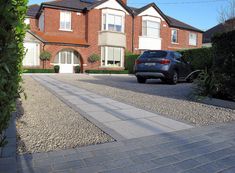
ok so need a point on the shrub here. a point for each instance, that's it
(57, 68)
(199, 58)
(12, 15)
(107, 71)
(130, 61)
(38, 71)
(77, 69)
(94, 58)
(219, 80)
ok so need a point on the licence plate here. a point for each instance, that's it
(150, 64)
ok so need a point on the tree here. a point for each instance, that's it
(45, 56)
(227, 16)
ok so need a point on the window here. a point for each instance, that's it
(154, 54)
(67, 57)
(111, 56)
(113, 23)
(192, 39)
(65, 20)
(174, 36)
(151, 28)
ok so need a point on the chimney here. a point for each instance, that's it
(124, 1)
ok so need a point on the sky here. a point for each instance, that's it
(202, 14)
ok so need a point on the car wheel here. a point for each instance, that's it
(141, 79)
(174, 78)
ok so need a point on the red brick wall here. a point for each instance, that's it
(137, 32)
(33, 24)
(128, 31)
(52, 23)
(183, 38)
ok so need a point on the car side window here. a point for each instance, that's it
(177, 56)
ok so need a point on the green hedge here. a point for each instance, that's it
(107, 71)
(38, 71)
(12, 33)
(199, 58)
(219, 80)
(130, 62)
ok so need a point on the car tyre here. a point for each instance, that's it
(174, 78)
(141, 79)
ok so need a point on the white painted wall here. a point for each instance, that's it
(112, 4)
(149, 43)
(108, 38)
(151, 12)
(31, 57)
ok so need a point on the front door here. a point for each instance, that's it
(67, 60)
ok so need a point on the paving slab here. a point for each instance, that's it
(125, 120)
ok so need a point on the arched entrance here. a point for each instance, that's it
(67, 59)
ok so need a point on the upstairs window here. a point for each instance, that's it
(174, 36)
(65, 20)
(113, 22)
(151, 29)
(192, 39)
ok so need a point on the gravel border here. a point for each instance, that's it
(45, 123)
(190, 112)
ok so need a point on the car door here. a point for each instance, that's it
(179, 64)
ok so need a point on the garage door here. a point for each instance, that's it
(32, 54)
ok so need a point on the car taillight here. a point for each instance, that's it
(137, 62)
(165, 61)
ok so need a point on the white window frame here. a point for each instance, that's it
(194, 41)
(177, 38)
(63, 14)
(104, 55)
(147, 29)
(105, 23)
(66, 59)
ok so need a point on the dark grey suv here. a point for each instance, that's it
(169, 66)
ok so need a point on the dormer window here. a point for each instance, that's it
(112, 22)
(65, 20)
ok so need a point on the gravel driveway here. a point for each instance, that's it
(167, 100)
(48, 124)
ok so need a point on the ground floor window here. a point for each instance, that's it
(112, 56)
(67, 57)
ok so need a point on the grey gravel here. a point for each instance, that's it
(45, 123)
(160, 100)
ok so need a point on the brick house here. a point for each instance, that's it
(73, 30)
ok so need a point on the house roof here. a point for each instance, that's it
(63, 39)
(170, 20)
(222, 27)
(80, 5)
(178, 24)
(70, 4)
(33, 10)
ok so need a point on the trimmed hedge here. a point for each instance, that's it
(107, 71)
(130, 62)
(200, 59)
(219, 80)
(12, 33)
(38, 71)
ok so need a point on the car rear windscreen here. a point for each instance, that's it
(154, 54)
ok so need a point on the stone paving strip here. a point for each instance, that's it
(208, 149)
(119, 120)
